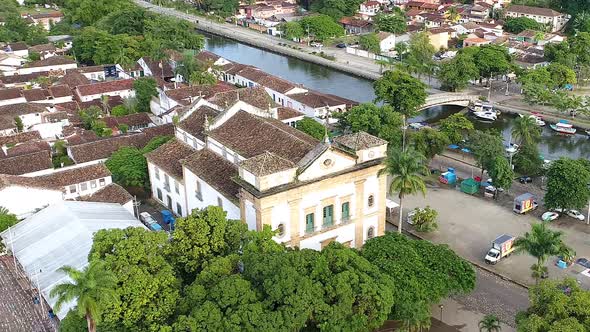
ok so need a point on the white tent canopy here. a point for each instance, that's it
(59, 235)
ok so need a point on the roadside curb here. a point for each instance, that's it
(476, 264)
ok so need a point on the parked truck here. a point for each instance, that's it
(502, 247)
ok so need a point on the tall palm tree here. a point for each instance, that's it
(405, 169)
(526, 131)
(489, 323)
(541, 243)
(91, 286)
(452, 15)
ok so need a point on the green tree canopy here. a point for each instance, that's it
(312, 128)
(7, 219)
(455, 74)
(526, 131)
(567, 185)
(420, 53)
(456, 127)
(370, 42)
(292, 30)
(380, 121)
(336, 8)
(145, 89)
(561, 75)
(175, 34)
(423, 273)
(501, 173)
(131, 21)
(322, 27)
(401, 91)
(519, 24)
(129, 167)
(527, 159)
(147, 290)
(429, 142)
(486, 146)
(88, 12)
(94, 46)
(394, 23)
(16, 28)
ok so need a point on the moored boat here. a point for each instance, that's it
(563, 127)
(487, 115)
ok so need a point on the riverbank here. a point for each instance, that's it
(548, 115)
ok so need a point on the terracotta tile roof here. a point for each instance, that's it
(74, 79)
(27, 163)
(42, 48)
(476, 40)
(539, 11)
(18, 46)
(285, 113)
(58, 91)
(233, 68)
(52, 61)
(19, 138)
(215, 170)
(371, 3)
(252, 73)
(359, 141)
(24, 78)
(70, 105)
(113, 101)
(206, 56)
(194, 124)
(250, 135)
(163, 130)
(355, 22)
(413, 12)
(255, 96)
(266, 163)
(132, 120)
(54, 14)
(104, 87)
(7, 94)
(76, 135)
(168, 157)
(316, 99)
(103, 148)
(59, 179)
(159, 68)
(9, 112)
(35, 94)
(113, 193)
(206, 91)
(88, 69)
(277, 84)
(25, 148)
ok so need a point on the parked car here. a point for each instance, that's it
(549, 216)
(525, 179)
(149, 221)
(491, 183)
(341, 45)
(316, 44)
(583, 262)
(572, 213)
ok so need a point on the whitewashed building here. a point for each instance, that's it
(121, 88)
(554, 19)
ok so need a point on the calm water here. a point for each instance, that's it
(552, 146)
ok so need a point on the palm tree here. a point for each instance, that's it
(104, 101)
(452, 15)
(405, 169)
(526, 131)
(489, 323)
(541, 243)
(91, 286)
(381, 64)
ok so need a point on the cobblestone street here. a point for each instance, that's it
(18, 313)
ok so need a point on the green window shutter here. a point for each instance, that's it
(345, 211)
(328, 215)
(309, 226)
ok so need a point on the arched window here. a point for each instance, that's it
(281, 230)
(371, 232)
(371, 200)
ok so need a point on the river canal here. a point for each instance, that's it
(328, 80)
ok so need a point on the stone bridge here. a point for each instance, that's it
(456, 99)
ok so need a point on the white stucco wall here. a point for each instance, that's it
(51, 130)
(123, 94)
(250, 215)
(176, 198)
(209, 196)
(27, 70)
(77, 190)
(318, 169)
(343, 234)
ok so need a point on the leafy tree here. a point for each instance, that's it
(405, 169)
(492, 60)
(90, 287)
(292, 30)
(129, 167)
(73, 323)
(501, 173)
(561, 75)
(322, 27)
(224, 8)
(456, 127)
(519, 24)
(380, 121)
(175, 34)
(119, 110)
(455, 74)
(123, 128)
(16, 28)
(394, 23)
(88, 12)
(147, 290)
(401, 91)
(7, 219)
(93, 46)
(203, 235)
(567, 185)
(486, 146)
(193, 71)
(34, 56)
(429, 142)
(145, 89)
(370, 42)
(420, 53)
(489, 323)
(527, 159)
(556, 305)
(535, 93)
(408, 261)
(312, 128)
(526, 131)
(452, 14)
(18, 122)
(60, 156)
(581, 23)
(336, 8)
(424, 220)
(155, 143)
(131, 21)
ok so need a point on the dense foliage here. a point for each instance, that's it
(321, 27)
(380, 121)
(567, 184)
(519, 24)
(312, 128)
(336, 8)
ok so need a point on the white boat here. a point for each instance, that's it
(487, 115)
(512, 148)
(563, 127)
(588, 132)
(538, 120)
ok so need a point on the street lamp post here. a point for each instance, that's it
(441, 311)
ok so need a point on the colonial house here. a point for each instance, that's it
(45, 50)
(476, 42)
(355, 26)
(267, 173)
(10, 62)
(370, 8)
(28, 113)
(11, 96)
(46, 20)
(54, 63)
(169, 99)
(319, 105)
(24, 195)
(132, 122)
(53, 95)
(121, 88)
(555, 20)
(93, 73)
(386, 41)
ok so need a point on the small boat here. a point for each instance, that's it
(563, 127)
(418, 125)
(538, 120)
(512, 148)
(487, 115)
(588, 132)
